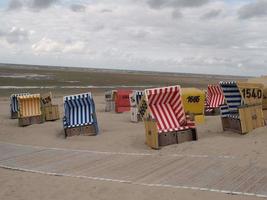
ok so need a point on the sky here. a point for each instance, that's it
(191, 36)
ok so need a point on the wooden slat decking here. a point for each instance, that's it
(219, 174)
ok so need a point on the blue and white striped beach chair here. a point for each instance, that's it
(14, 105)
(80, 115)
(237, 114)
(233, 99)
(135, 99)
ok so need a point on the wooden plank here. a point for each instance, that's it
(152, 138)
(251, 117)
(212, 173)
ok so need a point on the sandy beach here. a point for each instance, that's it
(119, 135)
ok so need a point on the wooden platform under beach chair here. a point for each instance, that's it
(50, 110)
(214, 99)
(122, 101)
(194, 104)
(80, 115)
(164, 117)
(135, 98)
(14, 105)
(29, 109)
(242, 111)
(110, 100)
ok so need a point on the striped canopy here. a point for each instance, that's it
(166, 107)
(29, 105)
(214, 96)
(232, 96)
(135, 97)
(14, 106)
(79, 110)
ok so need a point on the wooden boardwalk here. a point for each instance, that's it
(208, 173)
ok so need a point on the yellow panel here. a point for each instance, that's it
(199, 119)
(193, 100)
(252, 93)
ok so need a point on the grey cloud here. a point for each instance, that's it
(255, 9)
(177, 14)
(14, 4)
(211, 14)
(33, 4)
(77, 8)
(106, 11)
(15, 35)
(42, 4)
(157, 4)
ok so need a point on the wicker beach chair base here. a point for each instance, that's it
(13, 115)
(157, 140)
(88, 130)
(26, 121)
(212, 112)
(247, 119)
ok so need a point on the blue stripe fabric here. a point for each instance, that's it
(139, 95)
(79, 110)
(135, 97)
(14, 105)
(232, 96)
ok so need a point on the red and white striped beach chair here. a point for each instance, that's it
(214, 99)
(165, 119)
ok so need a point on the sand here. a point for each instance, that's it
(118, 134)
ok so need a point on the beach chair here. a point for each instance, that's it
(135, 98)
(214, 99)
(29, 109)
(194, 104)
(14, 105)
(80, 115)
(50, 111)
(242, 111)
(110, 100)
(122, 101)
(164, 117)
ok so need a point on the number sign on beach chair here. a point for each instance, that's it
(242, 111)
(80, 115)
(194, 103)
(110, 100)
(164, 117)
(29, 109)
(214, 100)
(135, 98)
(122, 101)
(14, 105)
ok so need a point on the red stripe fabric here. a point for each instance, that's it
(214, 96)
(166, 107)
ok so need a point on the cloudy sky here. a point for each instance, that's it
(195, 36)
